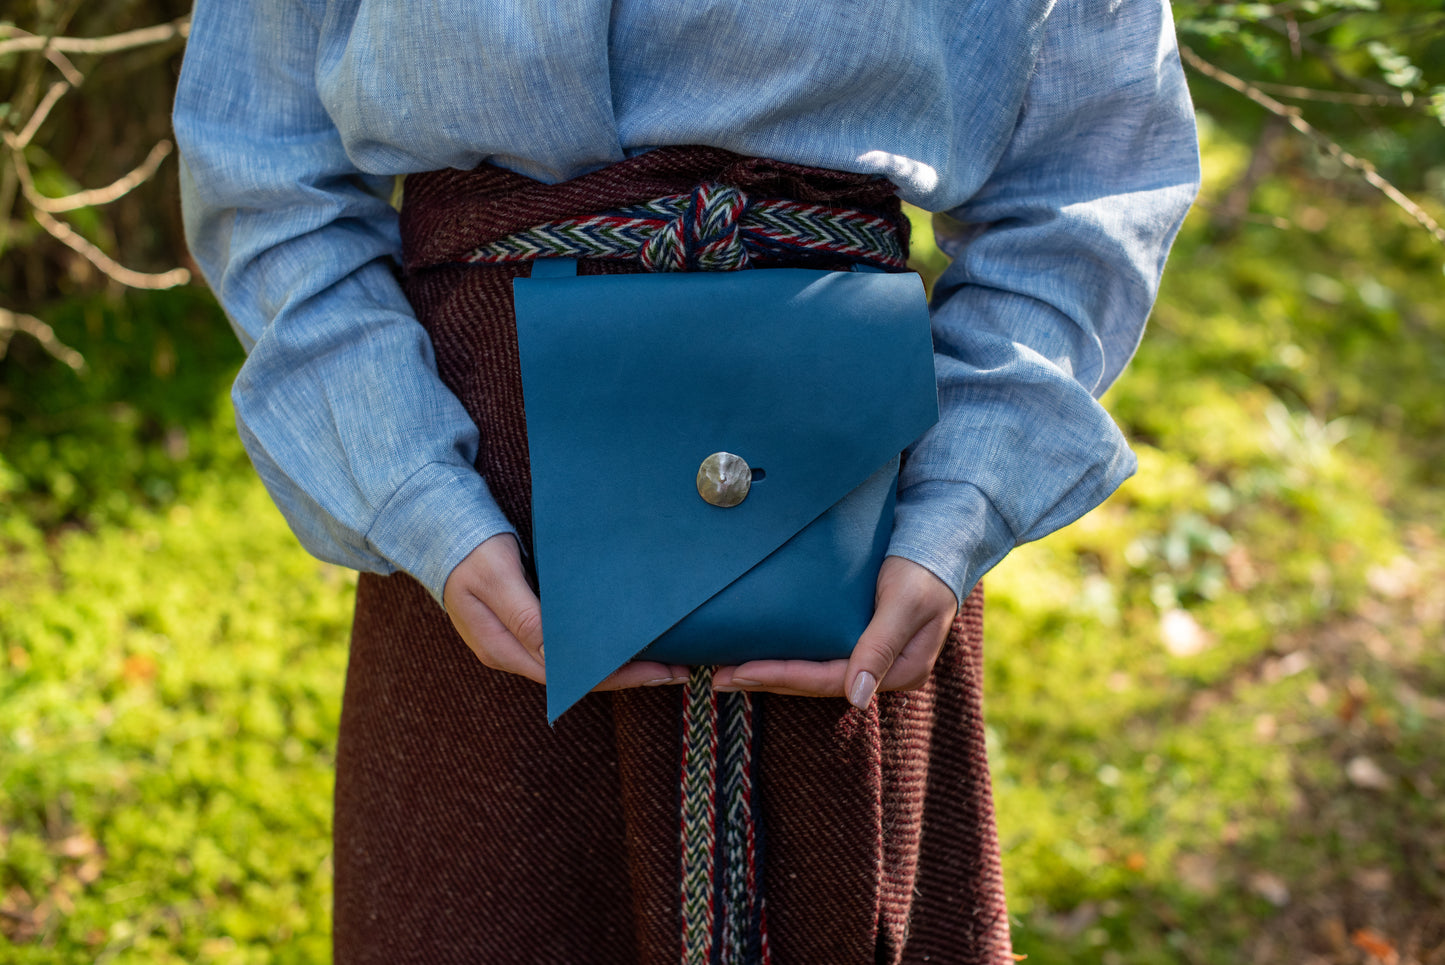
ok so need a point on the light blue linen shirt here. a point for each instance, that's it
(1057, 136)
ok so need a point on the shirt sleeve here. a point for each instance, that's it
(367, 454)
(1056, 263)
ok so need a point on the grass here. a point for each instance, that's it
(1215, 704)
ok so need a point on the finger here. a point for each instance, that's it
(802, 678)
(919, 655)
(517, 607)
(643, 674)
(893, 626)
(492, 642)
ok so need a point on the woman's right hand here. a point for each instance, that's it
(500, 618)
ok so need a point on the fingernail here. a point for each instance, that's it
(542, 652)
(863, 686)
(661, 682)
(745, 682)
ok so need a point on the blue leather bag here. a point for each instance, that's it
(816, 379)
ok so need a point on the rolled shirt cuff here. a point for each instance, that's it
(434, 520)
(952, 530)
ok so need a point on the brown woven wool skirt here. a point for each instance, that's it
(468, 831)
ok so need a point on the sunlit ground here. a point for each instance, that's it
(1216, 703)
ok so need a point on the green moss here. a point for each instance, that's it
(166, 706)
(173, 662)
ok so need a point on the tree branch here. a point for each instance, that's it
(1335, 96)
(13, 322)
(62, 63)
(1364, 168)
(54, 49)
(96, 45)
(69, 237)
(95, 196)
(42, 111)
(1325, 54)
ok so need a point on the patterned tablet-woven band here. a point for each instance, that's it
(724, 912)
(712, 228)
(699, 818)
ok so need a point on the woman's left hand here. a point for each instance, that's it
(913, 612)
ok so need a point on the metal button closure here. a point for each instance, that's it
(724, 479)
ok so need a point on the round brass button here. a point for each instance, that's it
(724, 479)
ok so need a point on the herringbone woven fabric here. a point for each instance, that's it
(469, 831)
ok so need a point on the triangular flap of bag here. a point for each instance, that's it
(630, 381)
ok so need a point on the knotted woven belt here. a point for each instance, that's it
(713, 228)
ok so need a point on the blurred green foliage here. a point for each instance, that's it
(1216, 699)
(1179, 685)
(1215, 704)
(1369, 73)
(149, 411)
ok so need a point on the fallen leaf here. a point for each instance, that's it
(77, 846)
(1396, 580)
(1266, 727)
(1198, 873)
(62, 895)
(90, 869)
(1239, 568)
(1333, 931)
(1364, 772)
(1270, 887)
(1376, 945)
(1373, 879)
(22, 918)
(138, 667)
(1182, 634)
(1431, 707)
(1287, 666)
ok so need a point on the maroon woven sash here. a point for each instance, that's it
(468, 831)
